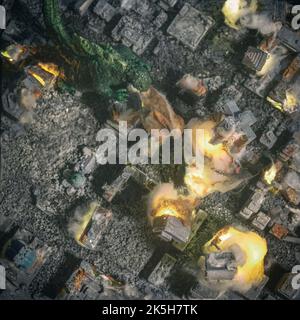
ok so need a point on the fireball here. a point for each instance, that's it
(178, 208)
(291, 102)
(233, 10)
(270, 174)
(203, 145)
(203, 181)
(249, 249)
(165, 201)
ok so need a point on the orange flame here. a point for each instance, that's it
(37, 77)
(79, 278)
(202, 182)
(50, 68)
(179, 208)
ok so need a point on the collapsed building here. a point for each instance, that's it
(276, 64)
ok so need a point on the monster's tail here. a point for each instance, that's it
(54, 23)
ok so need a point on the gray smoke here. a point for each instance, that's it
(261, 22)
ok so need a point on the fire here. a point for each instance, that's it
(37, 77)
(203, 181)
(275, 104)
(14, 53)
(79, 278)
(206, 148)
(197, 183)
(233, 10)
(6, 55)
(270, 174)
(45, 73)
(50, 68)
(253, 248)
(178, 208)
(291, 102)
(84, 222)
(209, 149)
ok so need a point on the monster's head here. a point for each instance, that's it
(140, 77)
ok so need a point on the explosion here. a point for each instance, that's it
(291, 102)
(200, 183)
(234, 10)
(249, 250)
(178, 208)
(165, 201)
(206, 148)
(270, 174)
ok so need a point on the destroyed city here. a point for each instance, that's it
(198, 199)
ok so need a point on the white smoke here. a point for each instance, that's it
(273, 64)
(76, 222)
(261, 22)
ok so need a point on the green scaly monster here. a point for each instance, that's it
(97, 68)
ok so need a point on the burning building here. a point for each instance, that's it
(269, 60)
(87, 283)
(276, 64)
(283, 174)
(220, 266)
(171, 220)
(37, 78)
(15, 54)
(170, 214)
(248, 252)
(286, 96)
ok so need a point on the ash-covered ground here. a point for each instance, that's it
(36, 156)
